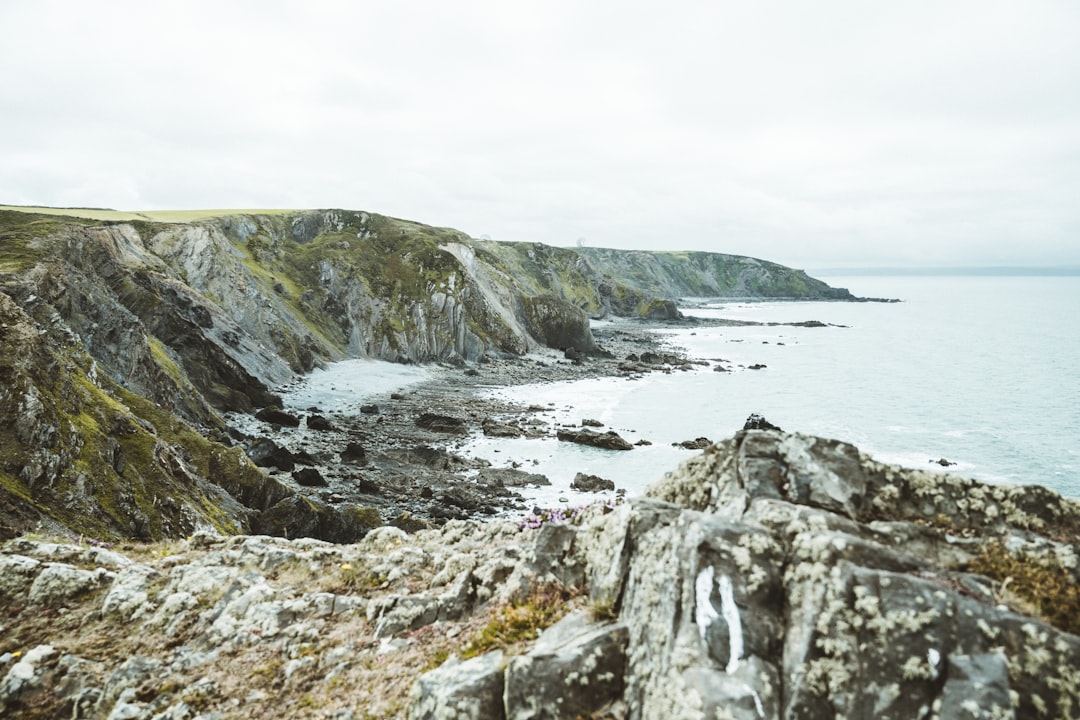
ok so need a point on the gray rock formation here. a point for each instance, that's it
(771, 576)
(591, 483)
(788, 576)
(609, 440)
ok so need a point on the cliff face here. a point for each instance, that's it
(176, 322)
(772, 576)
(701, 274)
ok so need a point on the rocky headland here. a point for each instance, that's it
(129, 348)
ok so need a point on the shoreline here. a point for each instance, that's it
(420, 476)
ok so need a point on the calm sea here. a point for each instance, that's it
(982, 371)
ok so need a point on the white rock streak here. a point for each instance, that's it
(705, 613)
(730, 611)
(933, 657)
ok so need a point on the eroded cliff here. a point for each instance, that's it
(169, 324)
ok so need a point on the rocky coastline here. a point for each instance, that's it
(124, 345)
(401, 455)
(176, 543)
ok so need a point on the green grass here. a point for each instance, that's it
(165, 216)
(522, 620)
(1043, 589)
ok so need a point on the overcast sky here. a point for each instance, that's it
(817, 134)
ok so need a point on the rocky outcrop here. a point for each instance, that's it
(585, 482)
(789, 576)
(609, 440)
(83, 455)
(773, 575)
(558, 323)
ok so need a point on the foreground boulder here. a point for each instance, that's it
(781, 575)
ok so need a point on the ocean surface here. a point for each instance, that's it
(981, 371)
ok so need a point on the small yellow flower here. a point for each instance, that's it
(16, 654)
(346, 566)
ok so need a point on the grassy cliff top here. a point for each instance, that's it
(168, 216)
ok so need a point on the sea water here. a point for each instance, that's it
(981, 371)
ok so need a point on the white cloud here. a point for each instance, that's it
(817, 134)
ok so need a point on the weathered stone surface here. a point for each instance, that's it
(298, 516)
(510, 477)
(277, 416)
(607, 441)
(661, 309)
(558, 323)
(591, 483)
(309, 477)
(575, 669)
(58, 583)
(469, 690)
(493, 428)
(441, 423)
(320, 423)
(25, 676)
(976, 686)
(773, 564)
(758, 422)
(17, 572)
(130, 592)
(354, 453)
(267, 453)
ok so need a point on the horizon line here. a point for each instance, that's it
(951, 270)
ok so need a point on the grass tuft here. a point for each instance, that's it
(1035, 586)
(521, 621)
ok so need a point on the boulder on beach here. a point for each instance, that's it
(607, 441)
(591, 483)
(310, 517)
(354, 453)
(309, 477)
(494, 428)
(440, 423)
(277, 416)
(510, 477)
(267, 453)
(318, 422)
